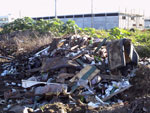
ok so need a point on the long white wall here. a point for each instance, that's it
(105, 22)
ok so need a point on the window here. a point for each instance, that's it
(12, 19)
(132, 18)
(69, 16)
(78, 16)
(134, 24)
(3, 19)
(123, 17)
(87, 15)
(60, 16)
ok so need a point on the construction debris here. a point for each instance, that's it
(76, 68)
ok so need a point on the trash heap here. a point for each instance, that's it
(74, 68)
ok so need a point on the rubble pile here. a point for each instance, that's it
(73, 70)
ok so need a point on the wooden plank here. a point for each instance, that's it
(101, 44)
(82, 72)
(112, 77)
(86, 73)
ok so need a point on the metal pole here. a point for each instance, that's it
(55, 8)
(91, 13)
(20, 14)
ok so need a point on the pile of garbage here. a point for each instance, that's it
(90, 70)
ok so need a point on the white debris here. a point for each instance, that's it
(94, 105)
(125, 83)
(13, 83)
(25, 110)
(132, 74)
(19, 85)
(96, 80)
(85, 38)
(106, 61)
(106, 85)
(66, 45)
(2, 102)
(14, 90)
(115, 87)
(108, 90)
(108, 71)
(72, 54)
(8, 106)
(100, 63)
(10, 101)
(28, 83)
(103, 96)
(42, 52)
(7, 84)
(120, 101)
(50, 80)
(4, 73)
(93, 62)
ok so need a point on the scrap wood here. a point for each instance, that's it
(4, 57)
(86, 73)
(62, 76)
(29, 83)
(115, 93)
(79, 55)
(54, 63)
(100, 45)
(51, 89)
(112, 77)
(33, 70)
(74, 47)
(115, 50)
(79, 62)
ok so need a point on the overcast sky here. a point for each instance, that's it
(36, 8)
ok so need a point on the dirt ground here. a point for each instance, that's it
(135, 100)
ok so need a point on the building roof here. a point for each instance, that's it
(88, 15)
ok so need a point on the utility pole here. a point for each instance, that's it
(55, 8)
(91, 13)
(20, 16)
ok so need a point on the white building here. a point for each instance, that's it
(6, 19)
(104, 20)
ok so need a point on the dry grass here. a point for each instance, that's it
(22, 42)
(26, 44)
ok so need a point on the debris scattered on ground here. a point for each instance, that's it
(72, 71)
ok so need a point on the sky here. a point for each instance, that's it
(38, 8)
